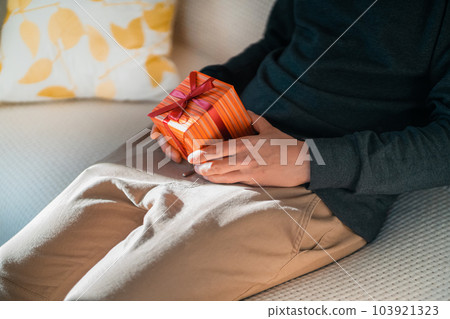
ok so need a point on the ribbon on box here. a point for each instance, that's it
(177, 109)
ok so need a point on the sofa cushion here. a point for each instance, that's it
(226, 27)
(69, 49)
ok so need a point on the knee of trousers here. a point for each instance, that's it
(3, 263)
(99, 170)
(6, 267)
(91, 176)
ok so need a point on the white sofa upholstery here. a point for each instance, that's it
(43, 147)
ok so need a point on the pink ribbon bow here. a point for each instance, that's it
(179, 107)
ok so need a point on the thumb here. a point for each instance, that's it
(155, 133)
(259, 123)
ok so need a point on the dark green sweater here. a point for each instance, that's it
(377, 104)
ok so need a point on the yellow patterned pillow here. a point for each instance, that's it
(114, 49)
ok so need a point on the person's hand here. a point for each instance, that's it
(271, 158)
(166, 148)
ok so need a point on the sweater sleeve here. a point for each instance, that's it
(395, 162)
(241, 69)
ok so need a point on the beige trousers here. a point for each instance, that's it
(119, 234)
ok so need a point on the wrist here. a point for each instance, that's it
(303, 163)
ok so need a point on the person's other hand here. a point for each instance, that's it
(271, 158)
(166, 148)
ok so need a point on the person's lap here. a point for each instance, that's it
(119, 234)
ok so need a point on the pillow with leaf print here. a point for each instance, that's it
(112, 49)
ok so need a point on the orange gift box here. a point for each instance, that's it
(201, 109)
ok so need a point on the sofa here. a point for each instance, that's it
(44, 146)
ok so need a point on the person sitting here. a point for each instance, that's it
(370, 89)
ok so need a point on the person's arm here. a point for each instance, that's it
(240, 69)
(395, 162)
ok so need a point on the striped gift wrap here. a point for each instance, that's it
(219, 115)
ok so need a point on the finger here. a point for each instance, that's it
(217, 167)
(228, 178)
(174, 155)
(155, 133)
(169, 150)
(260, 124)
(197, 157)
(216, 151)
